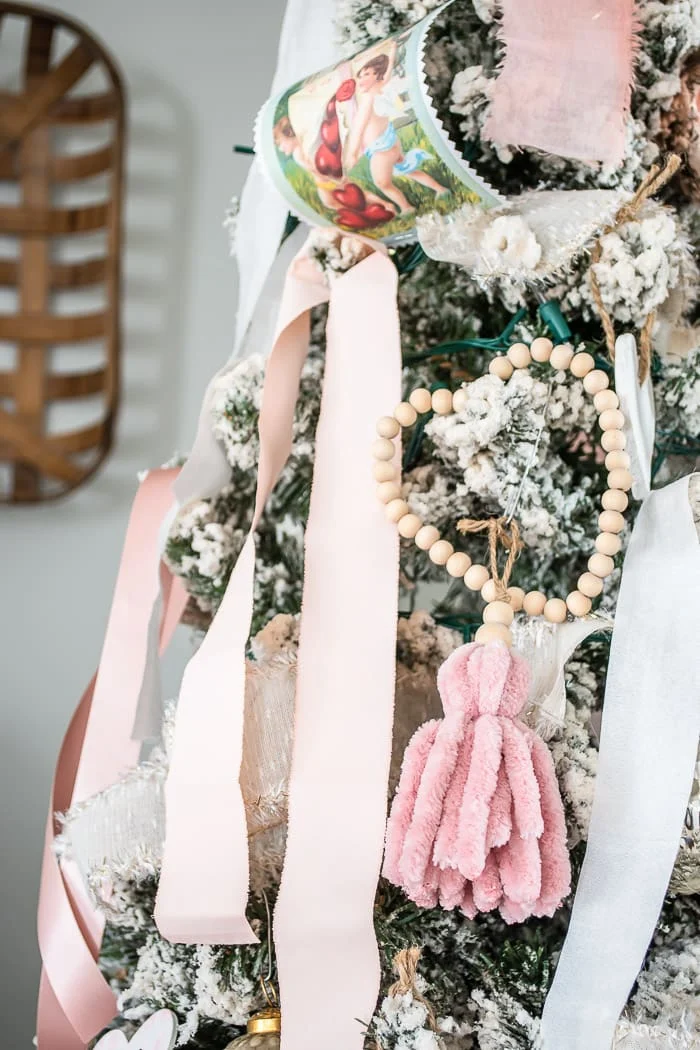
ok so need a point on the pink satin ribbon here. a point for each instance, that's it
(566, 80)
(75, 1001)
(323, 923)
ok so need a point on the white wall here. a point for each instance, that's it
(196, 73)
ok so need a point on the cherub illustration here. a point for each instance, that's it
(374, 133)
(287, 142)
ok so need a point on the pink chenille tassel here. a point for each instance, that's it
(477, 821)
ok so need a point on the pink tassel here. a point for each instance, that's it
(521, 777)
(446, 838)
(452, 886)
(556, 862)
(521, 869)
(471, 848)
(500, 819)
(487, 888)
(414, 759)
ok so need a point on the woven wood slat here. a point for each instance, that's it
(30, 158)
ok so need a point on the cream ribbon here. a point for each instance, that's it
(637, 404)
(648, 750)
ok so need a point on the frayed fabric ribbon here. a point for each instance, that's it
(75, 1001)
(566, 80)
(648, 751)
(345, 688)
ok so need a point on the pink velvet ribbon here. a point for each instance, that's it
(344, 706)
(75, 1001)
(566, 80)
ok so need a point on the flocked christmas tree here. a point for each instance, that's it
(481, 983)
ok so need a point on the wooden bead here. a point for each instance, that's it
(617, 459)
(534, 603)
(476, 576)
(384, 471)
(607, 542)
(426, 537)
(613, 440)
(595, 381)
(457, 564)
(555, 610)
(578, 604)
(396, 510)
(600, 565)
(541, 349)
(421, 400)
(498, 612)
(610, 521)
(611, 419)
(383, 449)
(519, 355)
(405, 414)
(615, 499)
(517, 597)
(581, 365)
(606, 399)
(441, 552)
(494, 632)
(459, 399)
(389, 490)
(490, 591)
(590, 585)
(620, 479)
(409, 525)
(561, 356)
(388, 427)
(501, 367)
(442, 402)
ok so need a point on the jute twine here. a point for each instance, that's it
(651, 184)
(406, 966)
(501, 533)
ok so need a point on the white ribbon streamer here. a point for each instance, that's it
(637, 404)
(648, 749)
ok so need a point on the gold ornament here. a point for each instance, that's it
(264, 1030)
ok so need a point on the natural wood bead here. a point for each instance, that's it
(590, 585)
(389, 490)
(396, 510)
(383, 449)
(476, 576)
(384, 471)
(388, 427)
(405, 414)
(441, 552)
(442, 402)
(617, 459)
(519, 355)
(555, 610)
(606, 399)
(601, 565)
(498, 612)
(501, 367)
(620, 479)
(596, 381)
(610, 521)
(613, 440)
(534, 603)
(607, 542)
(494, 632)
(459, 399)
(409, 525)
(581, 365)
(426, 537)
(458, 563)
(615, 499)
(611, 419)
(541, 349)
(490, 591)
(421, 400)
(561, 356)
(517, 597)
(578, 604)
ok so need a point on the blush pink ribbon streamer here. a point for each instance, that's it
(75, 1001)
(566, 81)
(323, 924)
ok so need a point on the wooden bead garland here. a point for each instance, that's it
(502, 600)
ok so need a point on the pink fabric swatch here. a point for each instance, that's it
(566, 80)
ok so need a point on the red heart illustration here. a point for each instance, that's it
(352, 219)
(330, 108)
(351, 196)
(328, 162)
(346, 90)
(330, 133)
(376, 214)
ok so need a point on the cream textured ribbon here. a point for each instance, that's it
(637, 404)
(648, 750)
